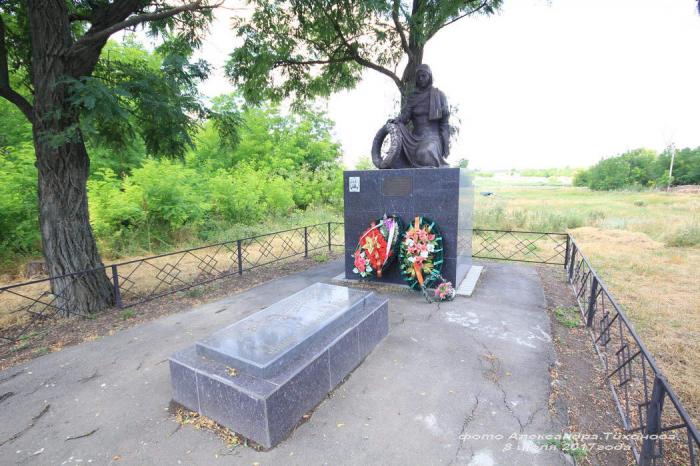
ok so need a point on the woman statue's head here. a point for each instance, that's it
(424, 77)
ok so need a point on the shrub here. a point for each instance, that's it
(687, 235)
(19, 212)
(278, 195)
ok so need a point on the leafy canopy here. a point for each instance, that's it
(120, 91)
(642, 168)
(309, 48)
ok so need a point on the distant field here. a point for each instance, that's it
(646, 245)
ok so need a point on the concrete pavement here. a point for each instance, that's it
(456, 383)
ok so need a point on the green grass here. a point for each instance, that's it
(568, 447)
(685, 236)
(568, 316)
(196, 292)
(671, 218)
(321, 257)
(127, 314)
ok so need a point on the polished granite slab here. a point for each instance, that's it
(263, 343)
(342, 329)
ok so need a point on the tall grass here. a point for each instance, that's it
(672, 218)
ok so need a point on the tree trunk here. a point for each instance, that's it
(63, 166)
(408, 83)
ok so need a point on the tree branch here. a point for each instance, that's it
(6, 90)
(114, 17)
(352, 51)
(454, 20)
(73, 17)
(279, 63)
(399, 27)
(104, 33)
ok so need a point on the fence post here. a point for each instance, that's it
(117, 291)
(329, 236)
(306, 242)
(572, 262)
(654, 410)
(568, 245)
(592, 301)
(240, 257)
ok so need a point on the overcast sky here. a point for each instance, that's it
(542, 84)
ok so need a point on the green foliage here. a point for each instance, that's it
(161, 202)
(19, 225)
(321, 257)
(158, 199)
(127, 314)
(581, 179)
(463, 163)
(568, 446)
(641, 168)
(14, 127)
(269, 141)
(686, 167)
(129, 86)
(306, 49)
(365, 163)
(567, 316)
(281, 163)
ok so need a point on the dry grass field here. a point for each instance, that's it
(646, 246)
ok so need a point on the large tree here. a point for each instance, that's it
(51, 69)
(309, 48)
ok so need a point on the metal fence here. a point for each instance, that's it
(657, 426)
(520, 246)
(26, 305)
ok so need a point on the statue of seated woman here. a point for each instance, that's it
(427, 144)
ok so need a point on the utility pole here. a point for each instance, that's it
(672, 148)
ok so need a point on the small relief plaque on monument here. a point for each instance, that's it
(354, 184)
(397, 186)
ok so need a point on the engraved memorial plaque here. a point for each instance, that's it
(264, 342)
(354, 184)
(398, 186)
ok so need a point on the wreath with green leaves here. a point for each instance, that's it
(421, 257)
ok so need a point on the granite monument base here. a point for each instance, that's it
(259, 376)
(445, 195)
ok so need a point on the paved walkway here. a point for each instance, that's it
(473, 367)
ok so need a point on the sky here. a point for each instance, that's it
(544, 83)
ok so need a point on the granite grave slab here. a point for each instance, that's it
(287, 358)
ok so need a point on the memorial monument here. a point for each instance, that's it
(414, 180)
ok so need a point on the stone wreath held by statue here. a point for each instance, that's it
(427, 144)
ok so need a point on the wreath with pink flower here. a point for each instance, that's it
(377, 247)
(421, 257)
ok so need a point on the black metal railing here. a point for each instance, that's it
(658, 428)
(25, 305)
(520, 246)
